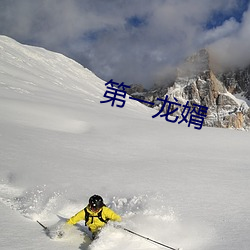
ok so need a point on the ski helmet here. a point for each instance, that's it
(95, 202)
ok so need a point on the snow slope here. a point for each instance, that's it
(59, 145)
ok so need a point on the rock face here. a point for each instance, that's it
(197, 83)
(237, 81)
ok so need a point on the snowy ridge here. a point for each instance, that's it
(59, 145)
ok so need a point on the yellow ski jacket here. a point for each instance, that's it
(94, 223)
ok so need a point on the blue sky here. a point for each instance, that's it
(218, 17)
(134, 41)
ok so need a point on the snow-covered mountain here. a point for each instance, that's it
(59, 145)
(198, 82)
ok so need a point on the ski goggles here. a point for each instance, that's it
(94, 208)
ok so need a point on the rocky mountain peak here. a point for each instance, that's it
(197, 64)
(197, 83)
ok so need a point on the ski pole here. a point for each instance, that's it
(45, 228)
(146, 238)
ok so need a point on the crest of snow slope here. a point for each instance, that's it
(36, 75)
(183, 187)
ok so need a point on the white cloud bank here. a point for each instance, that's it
(131, 41)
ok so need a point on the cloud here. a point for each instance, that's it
(228, 28)
(133, 41)
(233, 49)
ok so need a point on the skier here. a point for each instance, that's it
(95, 214)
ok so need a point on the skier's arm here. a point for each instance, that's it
(77, 217)
(110, 214)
